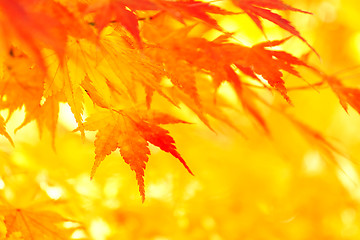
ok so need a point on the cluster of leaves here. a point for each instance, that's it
(123, 54)
(120, 53)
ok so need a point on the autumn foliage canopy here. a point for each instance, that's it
(133, 72)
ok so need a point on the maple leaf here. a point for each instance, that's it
(269, 63)
(134, 150)
(193, 9)
(109, 11)
(263, 8)
(33, 30)
(19, 83)
(70, 21)
(160, 137)
(131, 67)
(131, 134)
(31, 224)
(124, 12)
(223, 61)
(65, 85)
(218, 57)
(346, 95)
(20, 86)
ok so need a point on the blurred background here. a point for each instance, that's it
(253, 187)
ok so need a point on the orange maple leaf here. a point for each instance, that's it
(131, 133)
(124, 12)
(21, 23)
(20, 83)
(268, 64)
(115, 11)
(180, 10)
(346, 95)
(33, 225)
(217, 58)
(257, 9)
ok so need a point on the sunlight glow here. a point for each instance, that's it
(227, 91)
(208, 223)
(43, 100)
(349, 177)
(99, 229)
(9, 194)
(182, 219)
(215, 237)
(348, 216)
(313, 164)
(161, 190)
(70, 224)
(66, 117)
(188, 115)
(347, 171)
(263, 80)
(78, 234)
(191, 189)
(112, 203)
(230, 25)
(2, 184)
(54, 192)
(85, 187)
(327, 12)
(166, 82)
(161, 238)
(20, 158)
(356, 45)
(111, 188)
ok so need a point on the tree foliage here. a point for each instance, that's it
(130, 70)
